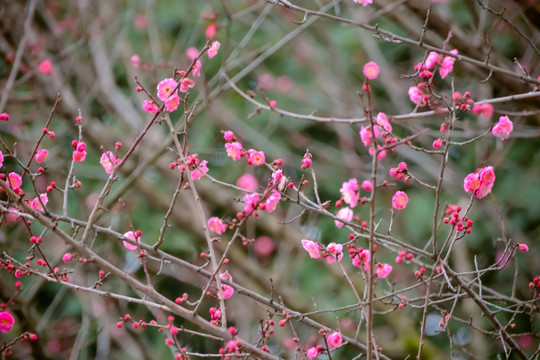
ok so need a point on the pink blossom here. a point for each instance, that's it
(226, 290)
(4, 117)
(431, 60)
(366, 135)
(150, 106)
(186, 84)
(345, 214)
(367, 185)
(349, 191)
(15, 180)
(312, 248)
(272, 200)
(383, 270)
(251, 201)
(196, 70)
(415, 95)
(234, 150)
(481, 182)
(213, 49)
(108, 160)
(484, 110)
(172, 103)
(199, 172)
(135, 61)
(399, 200)
(41, 155)
(312, 353)
(523, 247)
(217, 225)
(1, 159)
(79, 155)
(192, 53)
(131, 235)
(45, 67)
(247, 182)
(334, 340)
(382, 120)
(503, 128)
(166, 88)
(264, 246)
(437, 143)
(279, 180)
(67, 257)
(361, 259)
(371, 69)
(36, 204)
(447, 64)
(228, 135)
(6, 321)
(255, 158)
(334, 252)
(364, 2)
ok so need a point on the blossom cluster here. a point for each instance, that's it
(480, 182)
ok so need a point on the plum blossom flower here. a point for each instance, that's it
(228, 135)
(67, 257)
(79, 154)
(251, 201)
(503, 128)
(483, 110)
(345, 214)
(523, 247)
(150, 106)
(383, 270)
(36, 204)
(199, 172)
(4, 117)
(213, 49)
(108, 160)
(431, 60)
(312, 248)
(41, 155)
(349, 191)
(415, 95)
(382, 120)
(45, 67)
(131, 235)
(196, 71)
(217, 225)
(1, 159)
(6, 321)
(361, 259)
(371, 69)
(15, 180)
(335, 252)
(186, 84)
(166, 88)
(480, 182)
(192, 53)
(367, 185)
(234, 150)
(399, 200)
(247, 182)
(447, 64)
(334, 340)
(255, 158)
(226, 290)
(312, 353)
(172, 103)
(272, 200)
